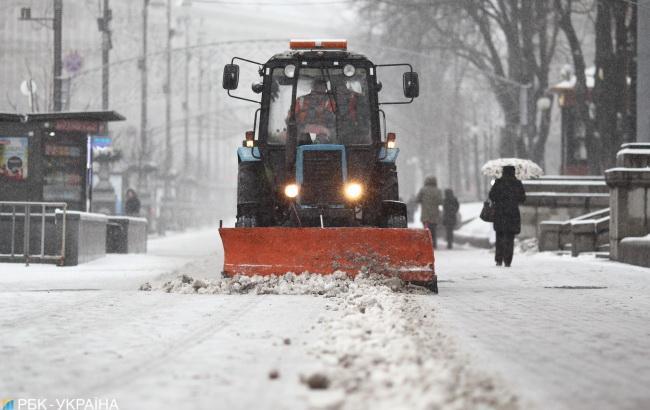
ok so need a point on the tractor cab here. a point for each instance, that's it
(318, 155)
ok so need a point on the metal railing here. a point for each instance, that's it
(27, 215)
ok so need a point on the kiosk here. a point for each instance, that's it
(47, 157)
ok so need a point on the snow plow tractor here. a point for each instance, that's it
(317, 184)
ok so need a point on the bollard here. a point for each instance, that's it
(26, 234)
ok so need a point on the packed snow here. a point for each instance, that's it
(383, 349)
(287, 284)
(378, 347)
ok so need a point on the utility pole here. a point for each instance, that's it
(486, 157)
(57, 25)
(200, 152)
(210, 134)
(58, 65)
(104, 26)
(186, 102)
(168, 102)
(477, 166)
(144, 155)
(450, 161)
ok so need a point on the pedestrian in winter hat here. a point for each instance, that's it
(430, 198)
(450, 208)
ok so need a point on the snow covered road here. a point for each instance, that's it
(493, 338)
(568, 333)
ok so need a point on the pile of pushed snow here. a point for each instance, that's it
(384, 349)
(287, 284)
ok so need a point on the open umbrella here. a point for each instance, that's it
(524, 168)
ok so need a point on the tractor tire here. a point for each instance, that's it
(389, 186)
(396, 221)
(433, 286)
(246, 222)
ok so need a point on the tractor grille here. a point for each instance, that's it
(322, 178)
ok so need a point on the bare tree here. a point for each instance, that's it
(564, 9)
(615, 49)
(511, 42)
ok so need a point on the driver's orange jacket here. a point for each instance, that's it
(314, 108)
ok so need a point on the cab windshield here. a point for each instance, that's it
(331, 108)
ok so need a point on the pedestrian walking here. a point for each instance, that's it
(506, 194)
(450, 208)
(132, 204)
(430, 199)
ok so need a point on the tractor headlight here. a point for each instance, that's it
(291, 190)
(353, 191)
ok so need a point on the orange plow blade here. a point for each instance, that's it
(405, 253)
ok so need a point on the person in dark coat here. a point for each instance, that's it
(450, 208)
(506, 194)
(132, 204)
(430, 199)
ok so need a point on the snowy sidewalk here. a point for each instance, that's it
(116, 271)
(569, 333)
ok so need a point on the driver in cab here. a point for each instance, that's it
(315, 115)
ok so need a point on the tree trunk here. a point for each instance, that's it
(631, 63)
(613, 39)
(582, 107)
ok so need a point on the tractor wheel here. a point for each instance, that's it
(433, 286)
(390, 187)
(396, 221)
(246, 221)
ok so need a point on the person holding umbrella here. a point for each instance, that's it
(506, 194)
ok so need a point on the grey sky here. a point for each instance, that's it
(279, 20)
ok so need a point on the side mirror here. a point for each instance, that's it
(411, 84)
(230, 76)
(257, 87)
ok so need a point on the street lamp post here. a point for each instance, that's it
(104, 28)
(166, 214)
(168, 101)
(143, 157)
(186, 102)
(57, 25)
(475, 131)
(58, 64)
(199, 109)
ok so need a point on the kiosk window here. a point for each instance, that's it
(64, 170)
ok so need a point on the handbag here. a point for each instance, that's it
(488, 211)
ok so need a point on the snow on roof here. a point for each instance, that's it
(634, 151)
(636, 145)
(567, 194)
(569, 84)
(625, 169)
(561, 182)
(645, 240)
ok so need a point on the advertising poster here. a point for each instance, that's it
(13, 158)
